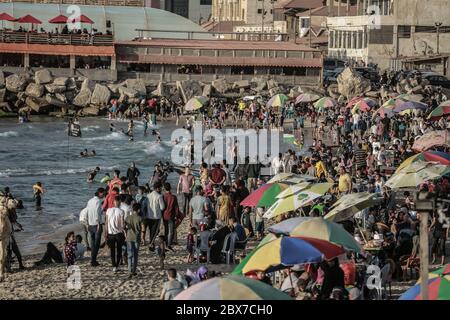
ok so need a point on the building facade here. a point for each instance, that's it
(252, 12)
(198, 11)
(389, 32)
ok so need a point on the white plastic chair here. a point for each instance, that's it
(228, 246)
(203, 247)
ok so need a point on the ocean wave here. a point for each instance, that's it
(54, 172)
(90, 128)
(9, 134)
(111, 136)
(153, 148)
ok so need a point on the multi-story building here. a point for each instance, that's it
(252, 12)
(390, 32)
(196, 10)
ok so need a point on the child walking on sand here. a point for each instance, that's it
(161, 251)
(191, 242)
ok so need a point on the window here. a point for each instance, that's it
(384, 35)
(304, 23)
(425, 29)
(404, 32)
(259, 11)
(205, 2)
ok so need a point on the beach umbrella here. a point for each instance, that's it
(443, 110)
(82, 19)
(306, 97)
(320, 228)
(293, 189)
(364, 105)
(240, 266)
(29, 19)
(286, 226)
(287, 177)
(250, 98)
(438, 286)
(415, 174)
(195, 103)
(324, 103)
(231, 287)
(349, 205)
(284, 252)
(431, 156)
(431, 139)
(384, 112)
(264, 196)
(297, 200)
(410, 105)
(6, 17)
(61, 19)
(277, 100)
(409, 97)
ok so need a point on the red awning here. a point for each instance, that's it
(6, 17)
(29, 19)
(61, 19)
(82, 19)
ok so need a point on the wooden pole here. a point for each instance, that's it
(424, 255)
(310, 28)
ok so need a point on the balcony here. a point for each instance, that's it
(56, 39)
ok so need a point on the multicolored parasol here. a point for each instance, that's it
(196, 103)
(438, 286)
(430, 156)
(277, 100)
(431, 139)
(231, 287)
(265, 196)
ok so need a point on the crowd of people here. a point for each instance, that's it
(356, 151)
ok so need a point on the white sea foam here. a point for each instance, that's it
(90, 128)
(9, 134)
(27, 172)
(154, 148)
(111, 136)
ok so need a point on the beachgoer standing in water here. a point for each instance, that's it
(133, 174)
(38, 191)
(130, 130)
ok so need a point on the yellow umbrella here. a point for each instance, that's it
(415, 174)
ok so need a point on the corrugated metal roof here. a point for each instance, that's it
(219, 44)
(222, 61)
(125, 20)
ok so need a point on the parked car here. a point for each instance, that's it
(438, 80)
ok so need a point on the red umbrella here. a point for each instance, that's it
(61, 19)
(82, 19)
(29, 19)
(6, 17)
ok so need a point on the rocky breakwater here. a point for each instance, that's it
(44, 94)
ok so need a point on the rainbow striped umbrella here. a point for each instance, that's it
(319, 228)
(442, 111)
(438, 286)
(392, 103)
(306, 98)
(196, 103)
(277, 100)
(264, 196)
(431, 156)
(284, 252)
(232, 287)
(324, 103)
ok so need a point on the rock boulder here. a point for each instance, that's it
(100, 95)
(189, 89)
(2, 79)
(90, 111)
(43, 76)
(88, 84)
(55, 88)
(38, 105)
(220, 85)
(83, 98)
(16, 83)
(52, 100)
(271, 84)
(60, 81)
(162, 90)
(137, 85)
(71, 84)
(352, 84)
(207, 90)
(34, 90)
(241, 84)
(2, 94)
(128, 92)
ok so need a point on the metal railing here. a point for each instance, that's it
(202, 35)
(60, 39)
(129, 3)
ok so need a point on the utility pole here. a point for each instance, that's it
(310, 28)
(262, 18)
(438, 29)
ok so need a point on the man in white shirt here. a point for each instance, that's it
(94, 222)
(156, 207)
(277, 164)
(115, 222)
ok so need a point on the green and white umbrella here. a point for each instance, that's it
(349, 205)
(417, 173)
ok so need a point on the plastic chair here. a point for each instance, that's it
(228, 246)
(203, 247)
